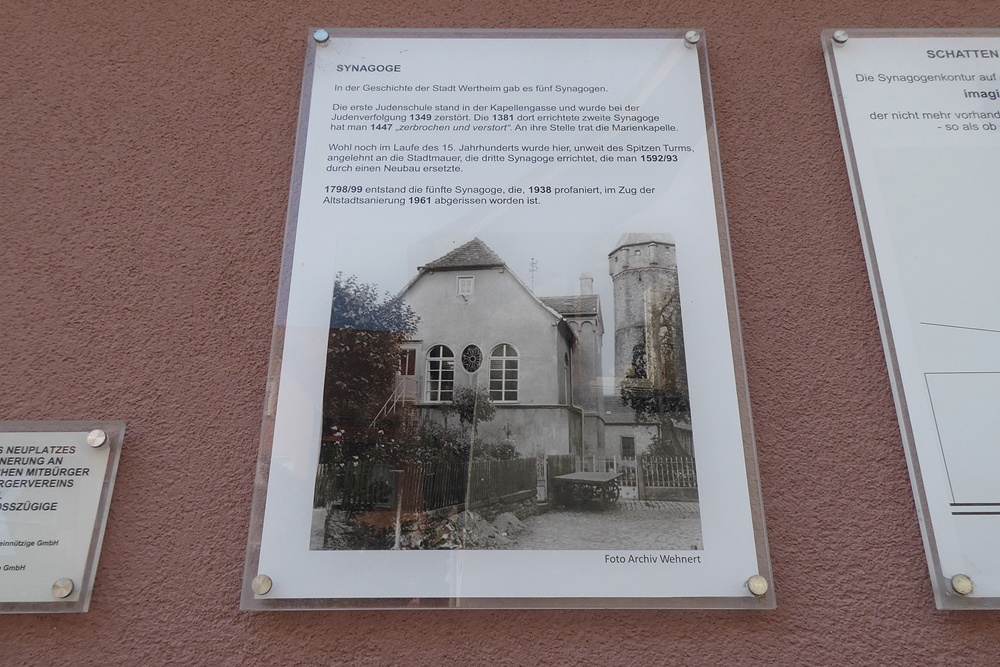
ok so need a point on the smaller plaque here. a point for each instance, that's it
(55, 488)
(919, 112)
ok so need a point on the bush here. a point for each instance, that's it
(496, 451)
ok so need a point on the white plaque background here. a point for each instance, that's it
(76, 526)
(927, 189)
(664, 76)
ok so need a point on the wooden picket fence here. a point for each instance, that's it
(421, 486)
(561, 464)
(353, 486)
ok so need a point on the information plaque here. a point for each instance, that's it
(919, 115)
(55, 489)
(507, 368)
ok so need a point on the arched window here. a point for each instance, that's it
(440, 379)
(503, 373)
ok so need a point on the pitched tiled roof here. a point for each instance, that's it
(585, 304)
(473, 255)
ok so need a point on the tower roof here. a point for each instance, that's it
(641, 238)
(473, 255)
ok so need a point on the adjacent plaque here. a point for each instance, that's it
(919, 113)
(507, 369)
(55, 489)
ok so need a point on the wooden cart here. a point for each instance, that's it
(587, 488)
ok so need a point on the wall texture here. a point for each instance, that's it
(146, 157)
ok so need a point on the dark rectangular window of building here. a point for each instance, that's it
(628, 447)
(407, 362)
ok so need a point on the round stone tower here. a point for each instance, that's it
(643, 270)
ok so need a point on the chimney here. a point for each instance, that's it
(586, 284)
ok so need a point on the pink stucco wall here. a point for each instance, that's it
(146, 157)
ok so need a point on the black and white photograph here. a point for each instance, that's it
(469, 410)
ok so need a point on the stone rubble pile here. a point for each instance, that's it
(465, 530)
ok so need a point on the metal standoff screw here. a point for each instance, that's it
(321, 36)
(62, 588)
(96, 438)
(261, 584)
(692, 37)
(840, 36)
(757, 585)
(961, 584)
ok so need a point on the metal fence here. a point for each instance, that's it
(673, 472)
(648, 473)
(626, 467)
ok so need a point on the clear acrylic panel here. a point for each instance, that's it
(506, 368)
(919, 112)
(56, 479)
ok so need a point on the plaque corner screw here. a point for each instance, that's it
(261, 584)
(758, 585)
(840, 36)
(62, 587)
(962, 584)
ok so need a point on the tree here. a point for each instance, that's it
(655, 385)
(644, 397)
(473, 407)
(438, 441)
(367, 329)
(659, 404)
